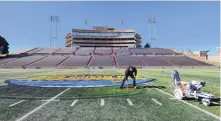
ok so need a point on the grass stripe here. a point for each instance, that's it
(129, 102)
(206, 112)
(156, 101)
(102, 102)
(39, 107)
(16, 103)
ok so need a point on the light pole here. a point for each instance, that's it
(153, 36)
(55, 19)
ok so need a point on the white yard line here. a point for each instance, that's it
(156, 101)
(16, 103)
(102, 102)
(73, 103)
(42, 105)
(129, 102)
(52, 100)
(214, 116)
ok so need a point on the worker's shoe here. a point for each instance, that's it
(135, 87)
(121, 87)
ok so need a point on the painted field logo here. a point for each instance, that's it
(82, 76)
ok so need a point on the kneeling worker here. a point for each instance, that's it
(130, 72)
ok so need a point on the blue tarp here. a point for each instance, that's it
(71, 83)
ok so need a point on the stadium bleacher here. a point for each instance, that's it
(74, 60)
(102, 61)
(89, 56)
(47, 51)
(154, 61)
(4, 60)
(50, 61)
(121, 51)
(161, 51)
(183, 61)
(84, 51)
(65, 51)
(19, 63)
(140, 51)
(105, 51)
(128, 61)
(34, 50)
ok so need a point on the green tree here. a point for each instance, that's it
(3, 46)
(147, 45)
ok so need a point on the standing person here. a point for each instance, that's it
(130, 72)
(176, 78)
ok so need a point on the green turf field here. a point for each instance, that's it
(41, 104)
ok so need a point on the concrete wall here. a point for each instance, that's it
(214, 58)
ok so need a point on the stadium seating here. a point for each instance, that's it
(34, 50)
(105, 51)
(154, 61)
(65, 51)
(160, 51)
(4, 60)
(138, 50)
(121, 51)
(89, 56)
(183, 61)
(84, 51)
(19, 63)
(76, 61)
(49, 61)
(102, 61)
(128, 60)
(47, 51)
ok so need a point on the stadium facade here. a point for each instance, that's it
(103, 36)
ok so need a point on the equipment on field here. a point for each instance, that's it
(191, 89)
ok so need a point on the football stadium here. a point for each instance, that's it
(82, 83)
(82, 80)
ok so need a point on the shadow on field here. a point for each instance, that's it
(159, 87)
(215, 101)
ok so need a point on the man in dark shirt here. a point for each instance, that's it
(130, 71)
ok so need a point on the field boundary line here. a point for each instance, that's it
(16, 103)
(42, 105)
(214, 116)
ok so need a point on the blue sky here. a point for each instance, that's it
(180, 25)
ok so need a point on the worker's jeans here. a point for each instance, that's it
(126, 78)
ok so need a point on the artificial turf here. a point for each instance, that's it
(116, 107)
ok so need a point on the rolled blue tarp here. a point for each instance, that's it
(71, 83)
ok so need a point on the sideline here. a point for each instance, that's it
(39, 107)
